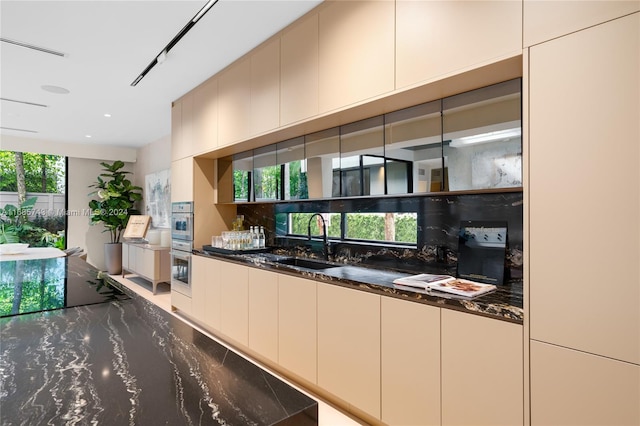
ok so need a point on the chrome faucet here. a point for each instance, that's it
(325, 241)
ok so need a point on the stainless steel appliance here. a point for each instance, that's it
(181, 247)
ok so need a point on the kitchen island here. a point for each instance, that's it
(125, 361)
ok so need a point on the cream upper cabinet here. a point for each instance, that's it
(177, 148)
(438, 38)
(263, 313)
(545, 20)
(297, 326)
(234, 302)
(234, 102)
(205, 290)
(182, 180)
(356, 52)
(205, 113)
(584, 188)
(482, 370)
(265, 87)
(349, 346)
(410, 343)
(570, 387)
(299, 70)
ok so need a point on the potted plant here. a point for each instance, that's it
(115, 204)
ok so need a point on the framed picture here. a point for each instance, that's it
(157, 198)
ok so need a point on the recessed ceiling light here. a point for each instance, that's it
(87, 136)
(107, 115)
(55, 89)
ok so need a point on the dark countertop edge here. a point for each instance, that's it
(478, 306)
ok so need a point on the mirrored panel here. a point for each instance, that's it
(483, 138)
(290, 158)
(362, 158)
(322, 151)
(266, 174)
(242, 172)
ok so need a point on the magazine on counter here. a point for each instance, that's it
(446, 283)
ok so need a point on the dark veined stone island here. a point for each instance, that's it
(123, 360)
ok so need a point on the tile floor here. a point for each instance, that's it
(327, 414)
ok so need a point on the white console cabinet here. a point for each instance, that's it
(151, 262)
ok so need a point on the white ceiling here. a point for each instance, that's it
(107, 45)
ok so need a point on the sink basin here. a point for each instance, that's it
(306, 263)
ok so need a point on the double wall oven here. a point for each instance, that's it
(181, 246)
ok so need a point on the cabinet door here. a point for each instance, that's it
(356, 52)
(297, 326)
(146, 264)
(437, 38)
(263, 313)
(125, 257)
(349, 346)
(234, 298)
(482, 370)
(265, 87)
(299, 68)
(177, 149)
(569, 387)
(205, 113)
(182, 180)
(205, 290)
(234, 102)
(584, 190)
(410, 363)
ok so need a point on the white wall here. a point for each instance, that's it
(93, 151)
(152, 158)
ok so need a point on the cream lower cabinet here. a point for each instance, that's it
(349, 346)
(297, 326)
(570, 387)
(234, 302)
(150, 262)
(482, 370)
(205, 290)
(410, 342)
(263, 313)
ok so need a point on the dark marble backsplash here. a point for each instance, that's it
(439, 218)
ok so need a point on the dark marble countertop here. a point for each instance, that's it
(506, 303)
(127, 361)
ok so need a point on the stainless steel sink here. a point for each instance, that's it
(306, 263)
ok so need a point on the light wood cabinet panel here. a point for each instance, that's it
(584, 187)
(349, 346)
(356, 52)
(182, 180)
(299, 69)
(410, 343)
(482, 370)
(234, 102)
(234, 297)
(569, 387)
(205, 291)
(436, 38)
(177, 148)
(181, 302)
(263, 313)
(205, 111)
(297, 326)
(545, 20)
(265, 87)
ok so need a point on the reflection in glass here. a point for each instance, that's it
(362, 157)
(322, 150)
(266, 174)
(298, 224)
(293, 169)
(242, 166)
(483, 141)
(388, 227)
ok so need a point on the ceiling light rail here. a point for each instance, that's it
(24, 102)
(32, 47)
(18, 130)
(160, 57)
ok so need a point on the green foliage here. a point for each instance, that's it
(43, 172)
(116, 199)
(365, 227)
(13, 222)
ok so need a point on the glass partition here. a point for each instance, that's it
(483, 138)
(322, 150)
(242, 171)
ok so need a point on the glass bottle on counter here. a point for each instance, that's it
(254, 237)
(262, 238)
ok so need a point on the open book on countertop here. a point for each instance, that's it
(446, 283)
